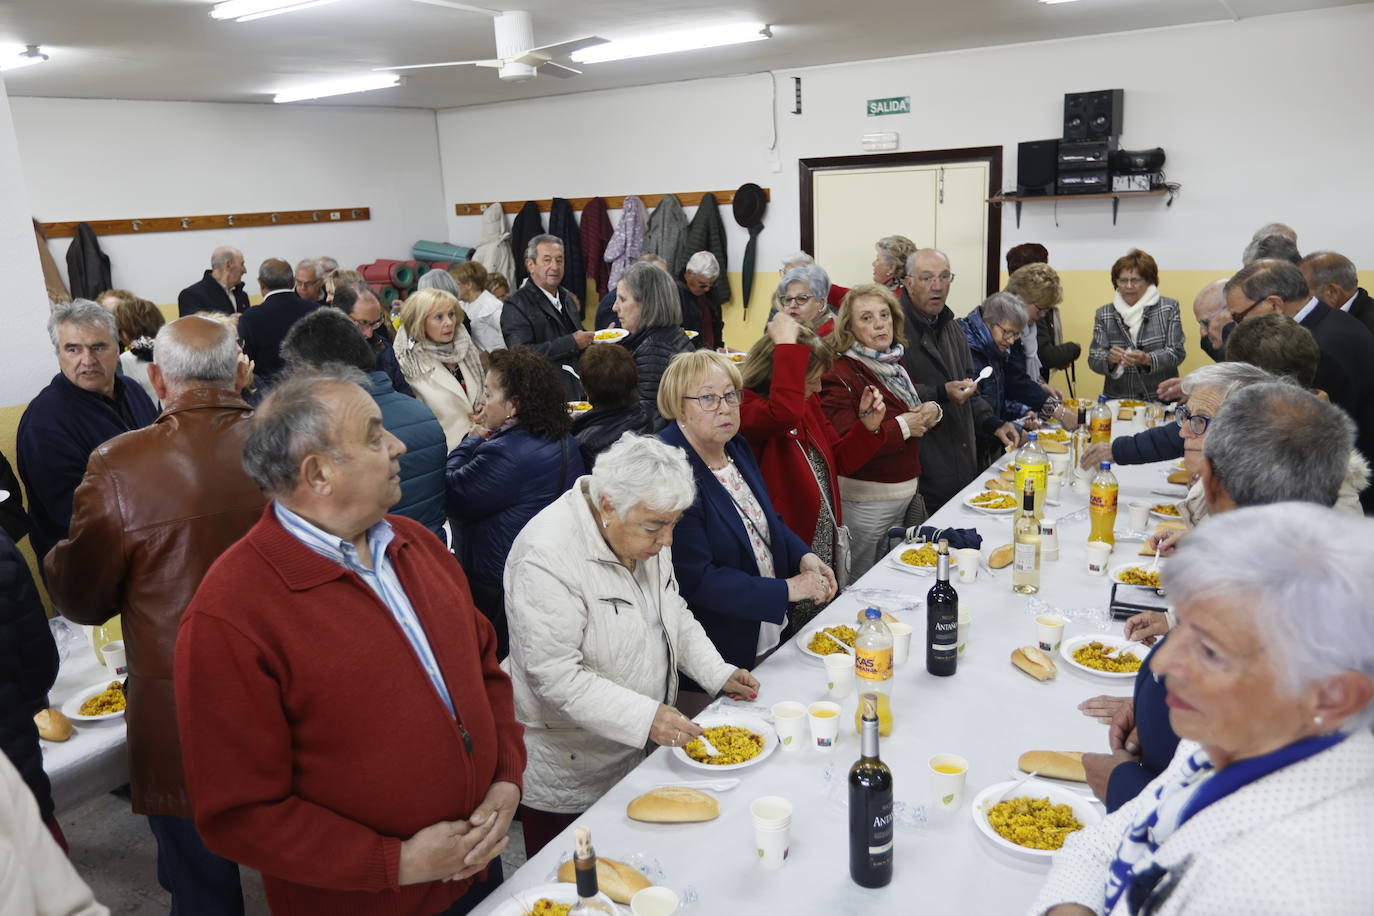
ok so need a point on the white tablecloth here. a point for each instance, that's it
(93, 760)
(989, 712)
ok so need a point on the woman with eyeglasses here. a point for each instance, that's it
(869, 343)
(803, 294)
(1138, 337)
(738, 565)
(994, 331)
(439, 360)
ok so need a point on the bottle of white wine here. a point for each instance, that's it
(589, 899)
(1025, 573)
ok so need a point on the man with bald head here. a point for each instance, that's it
(1333, 281)
(938, 360)
(221, 289)
(156, 508)
(1213, 318)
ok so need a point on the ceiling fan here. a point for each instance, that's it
(517, 58)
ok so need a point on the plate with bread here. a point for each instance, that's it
(96, 703)
(543, 900)
(744, 740)
(1035, 820)
(1096, 654)
(617, 879)
(1065, 765)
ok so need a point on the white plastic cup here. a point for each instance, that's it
(654, 901)
(1052, 486)
(1139, 515)
(772, 817)
(1059, 462)
(116, 659)
(947, 788)
(1049, 539)
(825, 725)
(965, 624)
(1049, 632)
(1099, 553)
(789, 720)
(839, 675)
(901, 641)
(969, 559)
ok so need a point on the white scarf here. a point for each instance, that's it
(1133, 315)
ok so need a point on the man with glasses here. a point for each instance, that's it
(310, 281)
(938, 360)
(1213, 318)
(356, 300)
(1346, 370)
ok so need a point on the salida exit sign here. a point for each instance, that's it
(900, 104)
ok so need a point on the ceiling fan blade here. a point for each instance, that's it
(564, 48)
(450, 4)
(448, 63)
(558, 70)
(491, 63)
(532, 58)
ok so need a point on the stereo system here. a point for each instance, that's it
(1086, 160)
(1093, 115)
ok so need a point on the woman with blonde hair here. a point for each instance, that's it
(440, 361)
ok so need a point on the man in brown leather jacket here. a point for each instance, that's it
(156, 508)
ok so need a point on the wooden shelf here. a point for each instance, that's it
(144, 225)
(1114, 195)
(686, 198)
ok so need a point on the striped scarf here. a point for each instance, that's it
(887, 365)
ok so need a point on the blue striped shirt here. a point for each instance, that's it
(381, 578)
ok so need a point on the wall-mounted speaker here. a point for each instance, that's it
(1036, 165)
(1093, 115)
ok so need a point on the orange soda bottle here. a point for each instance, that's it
(1102, 494)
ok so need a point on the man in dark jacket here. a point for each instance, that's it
(357, 300)
(28, 667)
(939, 363)
(13, 519)
(1332, 279)
(157, 507)
(544, 316)
(700, 312)
(221, 289)
(263, 327)
(324, 337)
(84, 405)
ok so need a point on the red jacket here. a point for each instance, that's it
(897, 459)
(313, 739)
(779, 428)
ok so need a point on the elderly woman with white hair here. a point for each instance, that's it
(804, 293)
(889, 261)
(1268, 805)
(599, 632)
(699, 313)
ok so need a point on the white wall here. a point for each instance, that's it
(1262, 119)
(106, 159)
(27, 352)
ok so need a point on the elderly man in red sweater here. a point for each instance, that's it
(345, 727)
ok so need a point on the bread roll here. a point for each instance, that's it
(1007, 475)
(53, 725)
(1165, 525)
(1180, 477)
(1054, 764)
(1002, 556)
(1034, 662)
(887, 618)
(615, 879)
(674, 805)
(1126, 413)
(1054, 447)
(996, 484)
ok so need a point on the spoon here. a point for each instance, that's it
(1012, 791)
(1121, 649)
(987, 372)
(836, 636)
(710, 748)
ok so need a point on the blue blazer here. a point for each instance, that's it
(714, 564)
(1156, 736)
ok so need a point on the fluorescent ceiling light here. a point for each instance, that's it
(1052, 2)
(23, 57)
(340, 87)
(248, 10)
(672, 42)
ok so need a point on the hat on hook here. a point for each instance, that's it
(749, 203)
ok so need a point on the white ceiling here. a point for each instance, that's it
(172, 49)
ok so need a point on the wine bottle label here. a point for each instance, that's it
(946, 632)
(1025, 557)
(873, 664)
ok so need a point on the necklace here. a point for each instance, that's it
(728, 461)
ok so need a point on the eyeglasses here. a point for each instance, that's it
(796, 300)
(367, 325)
(1204, 322)
(1129, 281)
(1238, 317)
(1195, 421)
(1004, 332)
(927, 279)
(711, 402)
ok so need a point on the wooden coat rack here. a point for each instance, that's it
(216, 221)
(686, 198)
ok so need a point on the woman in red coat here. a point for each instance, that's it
(799, 452)
(868, 340)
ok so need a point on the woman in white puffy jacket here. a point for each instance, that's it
(598, 632)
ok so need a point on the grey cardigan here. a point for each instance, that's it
(1161, 336)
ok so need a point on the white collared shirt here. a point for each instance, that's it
(1351, 301)
(1307, 309)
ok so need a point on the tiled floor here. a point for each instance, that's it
(115, 853)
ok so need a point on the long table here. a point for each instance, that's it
(93, 760)
(988, 712)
